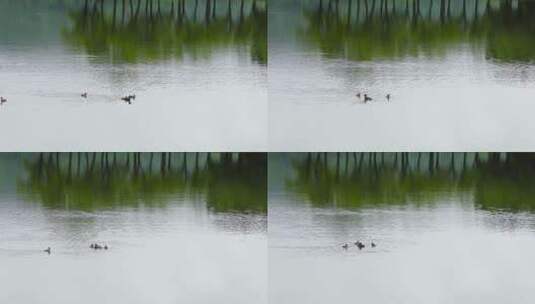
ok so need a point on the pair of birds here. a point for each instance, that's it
(127, 98)
(359, 244)
(2, 100)
(97, 246)
(368, 98)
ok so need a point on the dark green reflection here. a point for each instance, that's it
(148, 30)
(355, 180)
(93, 181)
(389, 29)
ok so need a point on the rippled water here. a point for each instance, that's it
(199, 78)
(448, 229)
(191, 230)
(461, 82)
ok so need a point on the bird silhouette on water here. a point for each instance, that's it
(128, 99)
(367, 98)
(373, 245)
(388, 97)
(48, 250)
(359, 244)
(345, 246)
(84, 95)
(3, 100)
(97, 246)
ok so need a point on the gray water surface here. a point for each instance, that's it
(179, 230)
(448, 229)
(199, 76)
(461, 79)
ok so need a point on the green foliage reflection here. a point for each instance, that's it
(354, 180)
(363, 30)
(93, 181)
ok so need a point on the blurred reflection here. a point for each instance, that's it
(496, 181)
(95, 181)
(146, 30)
(383, 29)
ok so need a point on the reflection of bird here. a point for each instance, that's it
(367, 98)
(387, 96)
(3, 100)
(84, 95)
(345, 246)
(47, 250)
(373, 245)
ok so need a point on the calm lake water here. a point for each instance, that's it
(180, 229)
(199, 74)
(448, 229)
(461, 77)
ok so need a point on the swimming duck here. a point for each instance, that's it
(345, 246)
(3, 100)
(387, 96)
(373, 245)
(358, 95)
(133, 96)
(360, 245)
(127, 99)
(48, 250)
(84, 95)
(367, 98)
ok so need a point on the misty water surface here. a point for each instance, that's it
(180, 228)
(449, 228)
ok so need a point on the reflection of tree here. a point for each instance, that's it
(92, 181)
(374, 29)
(354, 180)
(146, 30)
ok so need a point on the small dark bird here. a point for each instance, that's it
(84, 95)
(358, 95)
(373, 245)
(127, 99)
(47, 250)
(133, 96)
(92, 246)
(345, 246)
(105, 247)
(360, 245)
(367, 98)
(3, 100)
(387, 96)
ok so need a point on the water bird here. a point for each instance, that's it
(388, 96)
(373, 245)
(48, 250)
(84, 95)
(367, 98)
(128, 99)
(360, 245)
(105, 247)
(345, 246)
(92, 246)
(3, 100)
(133, 96)
(358, 95)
